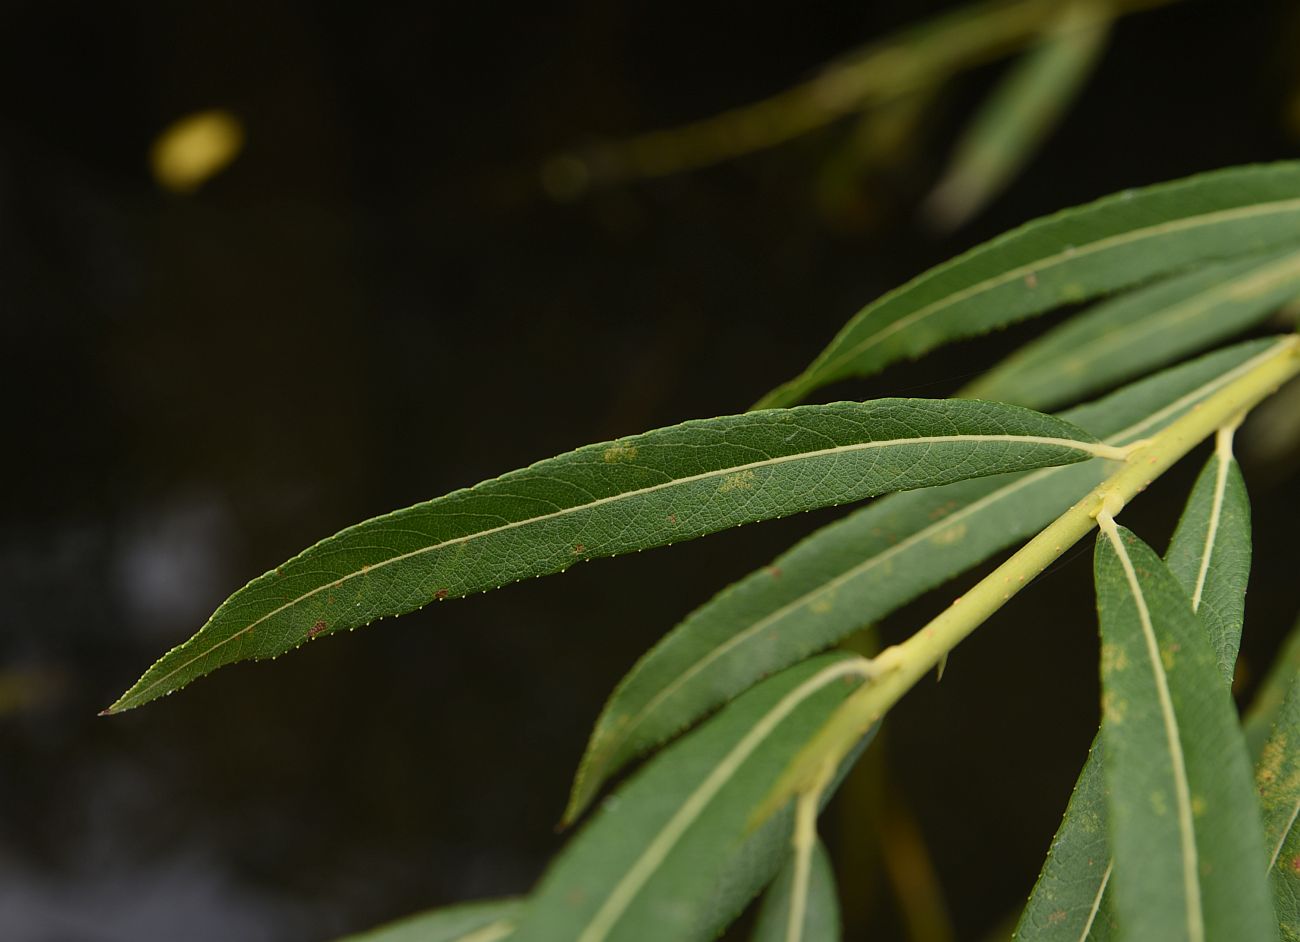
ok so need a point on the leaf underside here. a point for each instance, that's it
(1184, 819)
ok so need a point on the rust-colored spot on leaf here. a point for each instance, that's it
(440, 594)
(1295, 863)
(774, 572)
(579, 549)
(316, 629)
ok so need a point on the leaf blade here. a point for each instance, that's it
(1278, 777)
(1079, 253)
(657, 860)
(1145, 328)
(858, 569)
(1182, 802)
(1272, 693)
(1210, 552)
(606, 499)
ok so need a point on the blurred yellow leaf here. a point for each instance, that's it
(195, 148)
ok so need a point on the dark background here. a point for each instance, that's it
(375, 304)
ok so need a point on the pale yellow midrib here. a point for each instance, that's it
(1120, 438)
(1212, 531)
(657, 850)
(1085, 447)
(805, 839)
(1191, 885)
(1258, 280)
(1049, 261)
(1096, 902)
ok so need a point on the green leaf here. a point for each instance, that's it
(1210, 557)
(814, 896)
(1069, 902)
(1184, 815)
(1278, 777)
(485, 921)
(670, 855)
(1141, 330)
(1209, 554)
(635, 493)
(859, 569)
(1061, 259)
(1272, 692)
(1020, 113)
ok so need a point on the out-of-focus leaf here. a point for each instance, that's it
(858, 570)
(1146, 328)
(486, 921)
(819, 903)
(1210, 557)
(1020, 113)
(635, 493)
(193, 149)
(1278, 777)
(1064, 258)
(1268, 700)
(1184, 816)
(670, 855)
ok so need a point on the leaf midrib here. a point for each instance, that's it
(1050, 261)
(1085, 447)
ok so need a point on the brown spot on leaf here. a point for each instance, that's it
(440, 594)
(1056, 917)
(774, 572)
(1295, 863)
(316, 629)
(579, 549)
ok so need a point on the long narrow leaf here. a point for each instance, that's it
(1020, 112)
(1210, 557)
(1141, 330)
(648, 490)
(1061, 259)
(858, 570)
(1278, 777)
(660, 859)
(1210, 552)
(1184, 817)
(813, 895)
(487, 921)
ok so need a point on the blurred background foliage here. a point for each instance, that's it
(268, 269)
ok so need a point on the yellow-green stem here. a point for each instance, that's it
(899, 667)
